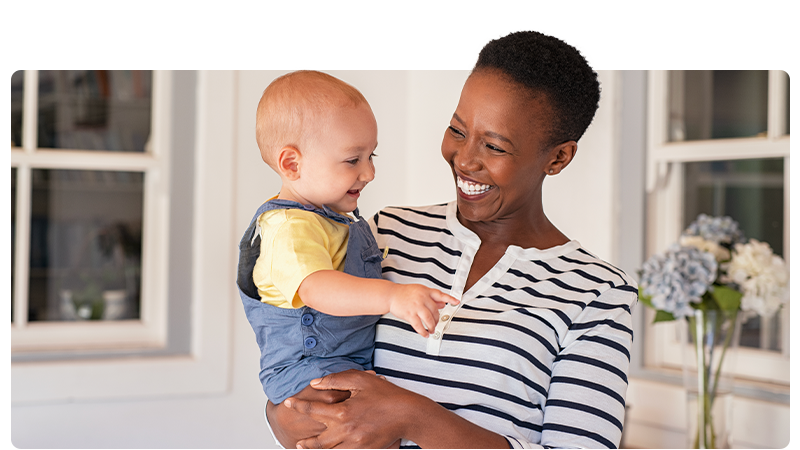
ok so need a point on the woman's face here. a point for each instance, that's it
(494, 147)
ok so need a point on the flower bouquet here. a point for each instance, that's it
(707, 278)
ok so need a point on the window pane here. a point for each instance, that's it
(94, 109)
(17, 83)
(86, 245)
(717, 104)
(751, 192)
(13, 233)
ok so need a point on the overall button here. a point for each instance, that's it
(307, 319)
(310, 342)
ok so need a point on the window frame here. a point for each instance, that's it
(664, 175)
(150, 330)
(205, 368)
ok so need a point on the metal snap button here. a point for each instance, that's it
(445, 318)
(437, 335)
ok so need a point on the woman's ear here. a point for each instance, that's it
(289, 163)
(562, 155)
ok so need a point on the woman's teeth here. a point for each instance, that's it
(471, 188)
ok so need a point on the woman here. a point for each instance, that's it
(537, 352)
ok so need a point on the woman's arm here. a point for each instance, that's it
(289, 426)
(378, 413)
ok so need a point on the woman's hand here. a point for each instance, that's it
(373, 417)
(290, 426)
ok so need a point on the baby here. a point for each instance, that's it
(310, 275)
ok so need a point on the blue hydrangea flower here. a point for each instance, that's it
(722, 230)
(678, 277)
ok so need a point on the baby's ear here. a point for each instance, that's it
(289, 163)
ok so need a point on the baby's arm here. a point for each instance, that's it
(339, 294)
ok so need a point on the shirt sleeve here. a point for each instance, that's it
(299, 248)
(585, 406)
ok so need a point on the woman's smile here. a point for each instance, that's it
(470, 188)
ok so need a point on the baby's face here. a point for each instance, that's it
(338, 162)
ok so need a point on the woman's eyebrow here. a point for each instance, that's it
(488, 133)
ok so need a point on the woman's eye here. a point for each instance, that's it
(373, 155)
(455, 131)
(494, 148)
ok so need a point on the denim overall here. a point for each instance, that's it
(300, 344)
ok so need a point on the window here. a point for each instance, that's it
(89, 188)
(718, 143)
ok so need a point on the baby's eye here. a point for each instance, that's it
(352, 162)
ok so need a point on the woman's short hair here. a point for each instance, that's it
(546, 65)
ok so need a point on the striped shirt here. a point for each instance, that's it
(537, 350)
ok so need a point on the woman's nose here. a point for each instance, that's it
(466, 159)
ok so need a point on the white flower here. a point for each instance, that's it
(761, 275)
(720, 253)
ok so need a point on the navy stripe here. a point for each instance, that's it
(587, 409)
(608, 343)
(514, 326)
(416, 225)
(538, 294)
(603, 265)
(457, 385)
(453, 360)
(418, 212)
(589, 385)
(499, 344)
(386, 231)
(561, 314)
(607, 306)
(580, 432)
(493, 412)
(555, 281)
(608, 322)
(583, 274)
(418, 259)
(593, 362)
(418, 276)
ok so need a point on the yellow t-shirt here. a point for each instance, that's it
(294, 244)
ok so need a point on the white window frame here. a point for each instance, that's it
(205, 370)
(149, 331)
(665, 223)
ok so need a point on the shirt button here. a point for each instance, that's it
(310, 342)
(307, 319)
(445, 318)
(437, 335)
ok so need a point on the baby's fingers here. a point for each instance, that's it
(417, 325)
(441, 297)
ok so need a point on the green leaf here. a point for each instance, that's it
(727, 299)
(663, 316)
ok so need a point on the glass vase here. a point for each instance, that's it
(713, 341)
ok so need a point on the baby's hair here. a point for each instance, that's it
(546, 65)
(290, 105)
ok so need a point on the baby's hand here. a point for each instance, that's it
(419, 306)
